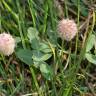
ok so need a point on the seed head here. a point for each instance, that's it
(67, 29)
(7, 44)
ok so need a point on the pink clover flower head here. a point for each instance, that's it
(67, 29)
(7, 44)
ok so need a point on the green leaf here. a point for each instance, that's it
(52, 36)
(90, 42)
(40, 46)
(84, 11)
(46, 71)
(35, 44)
(91, 58)
(32, 33)
(39, 56)
(37, 64)
(25, 56)
(17, 39)
(44, 47)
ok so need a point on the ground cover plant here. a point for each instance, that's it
(47, 47)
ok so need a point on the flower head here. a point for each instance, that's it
(7, 44)
(67, 29)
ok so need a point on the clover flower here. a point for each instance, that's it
(7, 44)
(67, 29)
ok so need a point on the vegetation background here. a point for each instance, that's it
(43, 64)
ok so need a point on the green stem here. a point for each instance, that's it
(35, 81)
(20, 25)
(21, 34)
(10, 10)
(32, 11)
(78, 30)
(66, 8)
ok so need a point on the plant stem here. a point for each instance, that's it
(35, 81)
